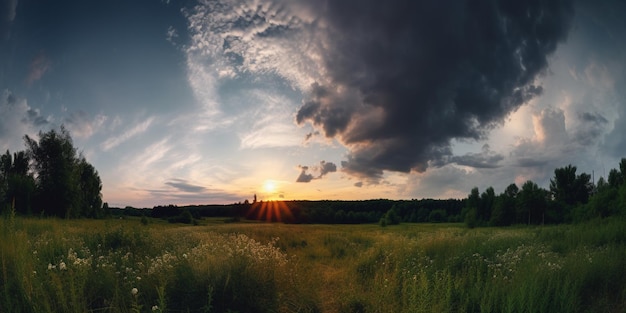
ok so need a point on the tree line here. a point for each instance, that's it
(571, 197)
(50, 178)
(314, 212)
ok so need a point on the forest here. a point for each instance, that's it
(570, 198)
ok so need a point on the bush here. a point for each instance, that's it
(470, 218)
(392, 217)
(382, 222)
(437, 216)
(185, 218)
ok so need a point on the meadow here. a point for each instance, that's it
(57, 265)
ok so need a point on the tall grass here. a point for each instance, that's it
(68, 266)
(52, 265)
(581, 269)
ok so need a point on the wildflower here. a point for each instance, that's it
(138, 277)
(184, 255)
(51, 267)
(155, 308)
(62, 266)
(134, 291)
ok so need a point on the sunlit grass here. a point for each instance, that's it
(52, 265)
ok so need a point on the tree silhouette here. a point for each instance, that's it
(89, 197)
(531, 203)
(16, 184)
(567, 190)
(504, 209)
(66, 185)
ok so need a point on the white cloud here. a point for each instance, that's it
(171, 34)
(258, 38)
(17, 119)
(203, 83)
(114, 141)
(81, 125)
(271, 122)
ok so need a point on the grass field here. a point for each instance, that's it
(51, 265)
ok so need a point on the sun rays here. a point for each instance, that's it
(270, 211)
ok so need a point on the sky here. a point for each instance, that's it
(214, 101)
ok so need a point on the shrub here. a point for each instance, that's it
(185, 218)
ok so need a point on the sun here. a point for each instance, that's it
(269, 186)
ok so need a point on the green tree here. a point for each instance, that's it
(16, 184)
(90, 197)
(340, 217)
(602, 204)
(486, 204)
(391, 217)
(54, 159)
(568, 190)
(437, 216)
(5, 169)
(531, 203)
(562, 186)
(473, 199)
(615, 178)
(470, 211)
(66, 185)
(504, 208)
(622, 167)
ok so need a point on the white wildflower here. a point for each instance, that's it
(62, 266)
(155, 308)
(134, 291)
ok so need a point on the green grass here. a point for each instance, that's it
(53, 265)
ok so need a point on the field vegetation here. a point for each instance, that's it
(149, 265)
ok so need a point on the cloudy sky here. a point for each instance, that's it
(212, 101)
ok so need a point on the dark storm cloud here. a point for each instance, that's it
(593, 118)
(324, 168)
(310, 135)
(304, 177)
(406, 77)
(327, 167)
(484, 159)
(592, 128)
(606, 28)
(530, 162)
(184, 186)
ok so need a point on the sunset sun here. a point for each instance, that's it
(269, 186)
